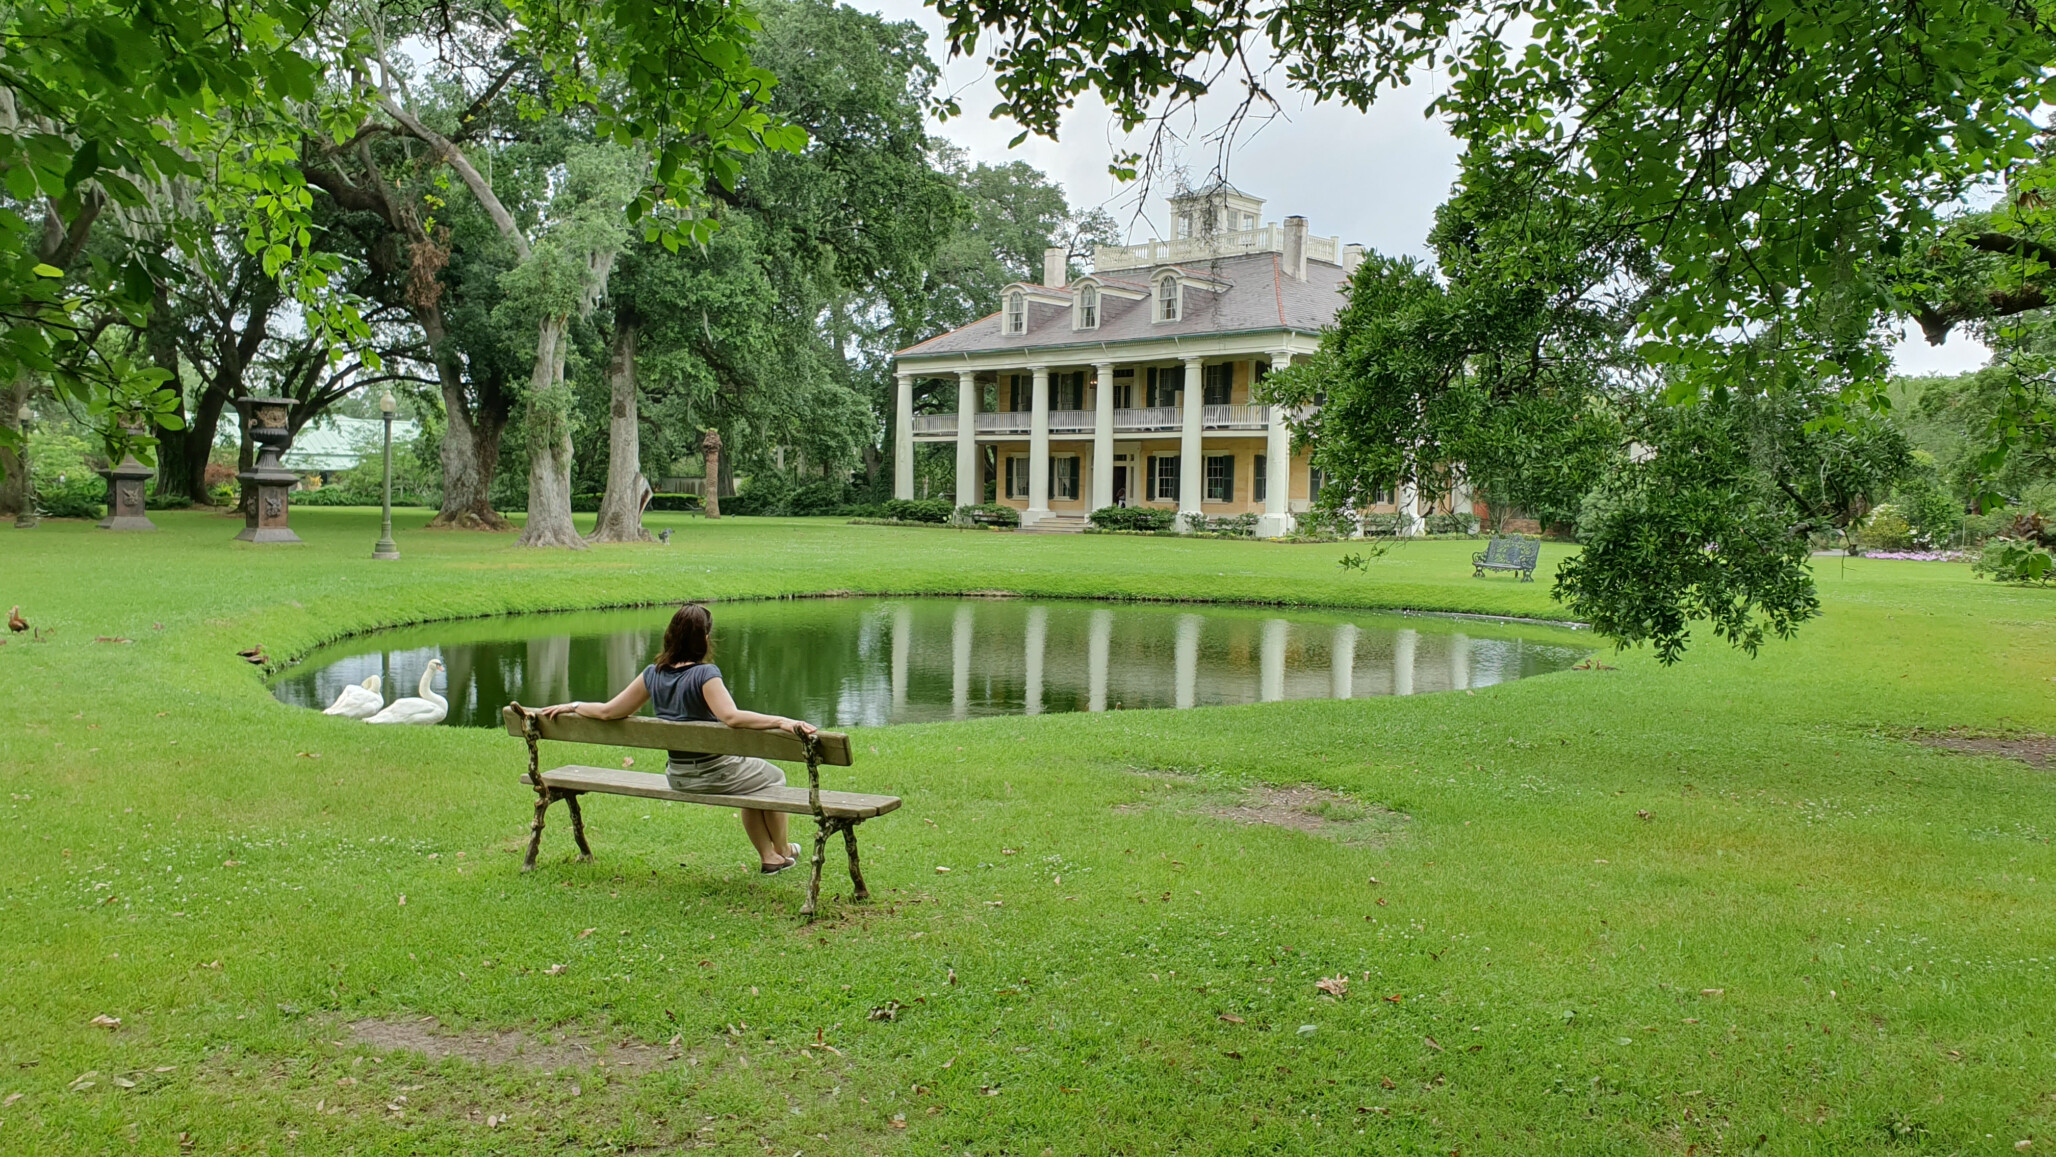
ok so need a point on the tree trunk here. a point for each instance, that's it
(621, 509)
(723, 476)
(471, 442)
(14, 490)
(549, 446)
(710, 445)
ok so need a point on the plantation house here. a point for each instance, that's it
(1132, 385)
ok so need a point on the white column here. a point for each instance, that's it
(1277, 516)
(1409, 510)
(1191, 468)
(1102, 648)
(960, 664)
(1271, 660)
(1038, 630)
(1403, 662)
(1038, 449)
(1342, 663)
(902, 650)
(1459, 662)
(1187, 659)
(1103, 435)
(903, 441)
(967, 439)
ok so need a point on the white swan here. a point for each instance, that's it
(429, 708)
(358, 700)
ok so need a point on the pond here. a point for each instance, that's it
(869, 662)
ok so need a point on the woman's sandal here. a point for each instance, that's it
(774, 869)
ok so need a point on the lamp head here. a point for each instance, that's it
(386, 404)
(24, 415)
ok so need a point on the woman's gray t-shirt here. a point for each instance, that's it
(678, 694)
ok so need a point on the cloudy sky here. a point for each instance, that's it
(1373, 178)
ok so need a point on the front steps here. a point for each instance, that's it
(1057, 524)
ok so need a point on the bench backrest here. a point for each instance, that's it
(1513, 551)
(712, 738)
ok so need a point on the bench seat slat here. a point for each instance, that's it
(649, 785)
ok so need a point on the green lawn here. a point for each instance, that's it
(1727, 907)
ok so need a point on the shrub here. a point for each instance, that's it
(336, 496)
(819, 498)
(1383, 525)
(990, 514)
(1320, 523)
(166, 502)
(1934, 516)
(1885, 529)
(1460, 522)
(2015, 560)
(675, 502)
(1133, 518)
(1225, 526)
(918, 509)
(66, 486)
(766, 494)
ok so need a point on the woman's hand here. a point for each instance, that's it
(559, 709)
(800, 728)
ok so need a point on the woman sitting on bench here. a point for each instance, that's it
(685, 687)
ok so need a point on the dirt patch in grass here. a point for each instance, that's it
(2031, 749)
(1316, 811)
(546, 1054)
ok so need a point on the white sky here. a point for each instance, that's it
(1373, 178)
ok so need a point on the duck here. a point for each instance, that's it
(15, 622)
(428, 708)
(358, 700)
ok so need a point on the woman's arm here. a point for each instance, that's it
(621, 706)
(723, 706)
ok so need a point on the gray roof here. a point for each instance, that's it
(334, 442)
(1260, 297)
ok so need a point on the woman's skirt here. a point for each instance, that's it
(722, 775)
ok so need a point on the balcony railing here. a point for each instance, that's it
(1263, 239)
(1234, 417)
(1143, 420)
(1147, 418)
(1004, 422)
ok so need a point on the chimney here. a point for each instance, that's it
(1295, 247)
(1055, 267)
(1352, 256)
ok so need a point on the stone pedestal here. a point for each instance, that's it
(265, 418)
(125, 483)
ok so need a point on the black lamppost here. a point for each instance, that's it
(27, 517)
(385, 548)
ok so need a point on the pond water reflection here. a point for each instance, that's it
(870, 662)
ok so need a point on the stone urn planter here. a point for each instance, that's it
(265, 419)
(125, 483)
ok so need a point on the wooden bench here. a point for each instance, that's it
(833, 811)
(1514, 554)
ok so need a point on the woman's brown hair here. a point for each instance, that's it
(686, 639)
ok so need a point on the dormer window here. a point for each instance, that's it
(1088, 307)
(1017, 313)
(1167, 298)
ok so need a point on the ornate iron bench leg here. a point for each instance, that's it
(822, 828)
(543, 796)
(585, 852)
(849, 839)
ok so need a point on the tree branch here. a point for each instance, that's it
(473, 179)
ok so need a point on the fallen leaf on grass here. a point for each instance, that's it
(627, 761)
(940, 870)
(11, 1098)
(1433, 1043)
(989, 1090)
(84, 1081)
(123, 1082)
(1386, 1083)
(1337, 985)
(232, 863)
(899, 1120)
(587, 932)
(105, 1021)
(952, 976)
(554, 970)
(111, 639)
(1231, 1018)
(1713, 992)
(1396, 997)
